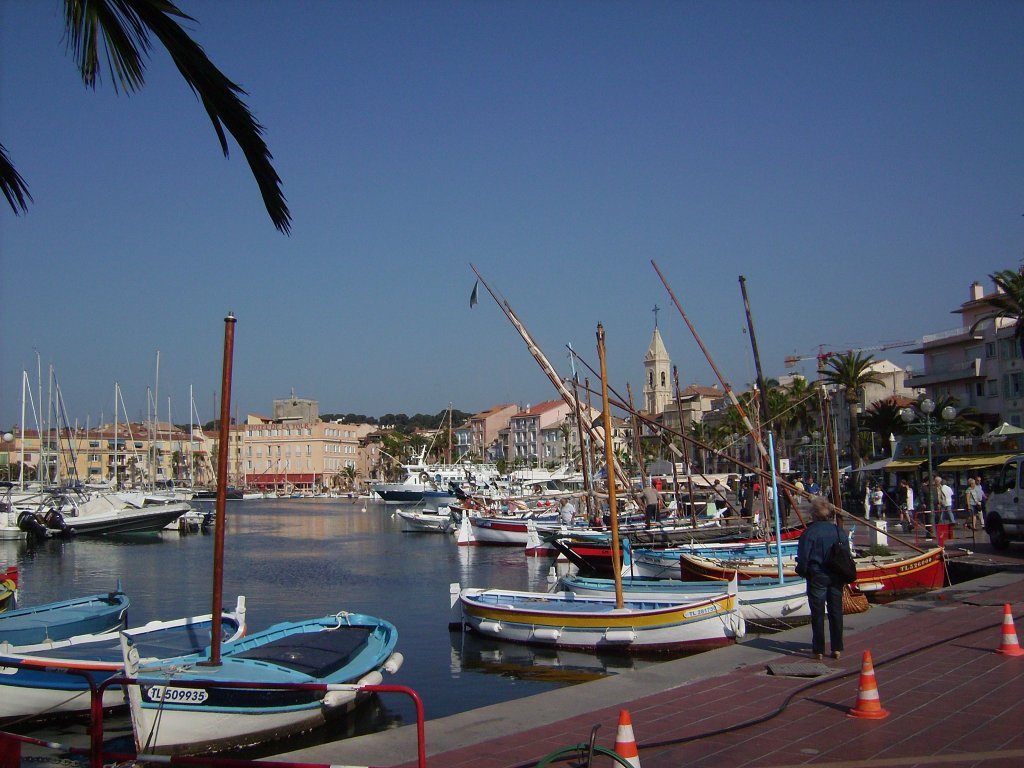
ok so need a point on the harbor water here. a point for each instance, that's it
(298, 558)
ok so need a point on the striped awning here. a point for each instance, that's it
(974, 462)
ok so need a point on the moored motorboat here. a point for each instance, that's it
(424, 520)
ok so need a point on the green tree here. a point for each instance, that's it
(852, 371)
(882, 418)
(118, 32)
(1008, 305)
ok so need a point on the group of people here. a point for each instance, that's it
(974, 498)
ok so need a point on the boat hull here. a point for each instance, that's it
(764, 602)
(145, 520)
(563, 620)
(64, 619)
(878, 577)
(171, 718)
(510, 532)
(421, 522)
(39, 687)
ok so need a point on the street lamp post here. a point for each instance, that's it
(813, 443)
(925, 418)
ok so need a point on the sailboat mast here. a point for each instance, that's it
(608, 457)
(543, 362)
(718, 374)
(765, 416)
(117, 394)
(222, 482)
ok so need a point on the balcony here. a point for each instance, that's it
(968, 369)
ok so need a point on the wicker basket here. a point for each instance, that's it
(854, 602)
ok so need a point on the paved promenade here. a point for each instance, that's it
(952, 699)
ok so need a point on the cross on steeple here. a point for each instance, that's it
(656, 310)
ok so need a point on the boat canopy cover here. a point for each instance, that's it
(316, 654)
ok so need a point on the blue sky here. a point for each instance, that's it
(859, 163)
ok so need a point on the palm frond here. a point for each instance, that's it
(221, 99)
(124, 26)
(13, 186)
(125, 42)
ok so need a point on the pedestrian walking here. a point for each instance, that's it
(824, 593)
(975, 498)
(906, 504)
(944, 498)
(877, 502)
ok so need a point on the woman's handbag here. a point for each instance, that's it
(840, 565)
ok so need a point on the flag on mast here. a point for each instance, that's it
(474, 297)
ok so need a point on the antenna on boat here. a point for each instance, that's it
(222, 487)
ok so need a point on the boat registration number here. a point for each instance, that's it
(701, 611)
(177, 695)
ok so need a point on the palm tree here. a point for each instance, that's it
(1009, 304)
(852, 371)
(122, 28)
(883, 419)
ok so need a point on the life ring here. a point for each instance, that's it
(424, 477)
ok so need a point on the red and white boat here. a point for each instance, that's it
(888, 575)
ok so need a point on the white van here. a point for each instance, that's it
(1004, 519)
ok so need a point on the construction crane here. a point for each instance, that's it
(793, 360)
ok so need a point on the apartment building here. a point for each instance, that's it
(274, 453)
(129, 455)
(981, 367)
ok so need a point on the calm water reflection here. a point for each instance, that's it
(297, 558)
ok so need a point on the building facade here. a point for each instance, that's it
(979, 363)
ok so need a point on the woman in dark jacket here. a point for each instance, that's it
(822, 590)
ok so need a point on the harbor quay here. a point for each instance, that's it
(951, 697)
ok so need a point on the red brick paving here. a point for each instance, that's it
(951, 699)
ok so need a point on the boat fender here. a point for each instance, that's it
(334, 699)
(394, 663)
(739, 625)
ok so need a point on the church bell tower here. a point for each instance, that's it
(657, 368)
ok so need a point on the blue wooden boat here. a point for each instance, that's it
(346, 650)
(664, 563)
(48, 680)
(59, 621)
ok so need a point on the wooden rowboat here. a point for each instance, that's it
(877, 575)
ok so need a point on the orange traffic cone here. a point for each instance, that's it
(625, 744)
(868, 705)
(1009, 646)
